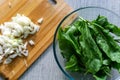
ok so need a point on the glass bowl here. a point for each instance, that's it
(88, 13)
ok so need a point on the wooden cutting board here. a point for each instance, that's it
(34, 9)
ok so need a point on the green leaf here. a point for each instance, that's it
(106, 62)
(91, 53)
(65, 45)
(113, 28)
(101, 20)
(100, 78)
(108, 44)
(72, 64)
(68, 42)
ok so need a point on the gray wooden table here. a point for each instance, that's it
(45, 68)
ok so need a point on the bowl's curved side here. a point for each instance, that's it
(55, 35)
(54, 48)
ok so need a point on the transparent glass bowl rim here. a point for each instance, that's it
(55, 34)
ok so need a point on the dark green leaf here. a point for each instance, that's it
(100, 78)
(91, 52)
(72, 64)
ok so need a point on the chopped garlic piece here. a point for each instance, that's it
(25, 62)
(9, 4)
(31, 42)
(40, 20)
(13, 72)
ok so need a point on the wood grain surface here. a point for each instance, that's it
(45, 68)
(34, 9)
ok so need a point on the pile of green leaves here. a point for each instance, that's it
(90, 47)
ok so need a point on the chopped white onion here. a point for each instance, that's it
(1, 57)
(25, 52)
(22, 20)
(25, 45)
(11, 43)
(7, 51)
(13, 56)
(1, 50)
(31, 42)
(7, 61)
